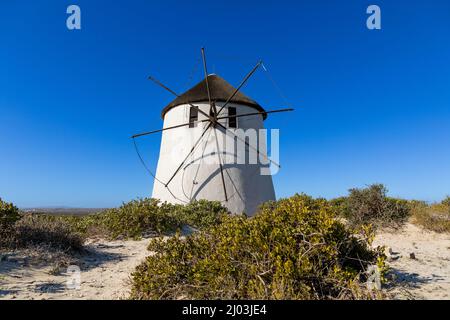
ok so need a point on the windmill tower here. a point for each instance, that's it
(204, 152)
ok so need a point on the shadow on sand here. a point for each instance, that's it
(16, 263)
(409, 280)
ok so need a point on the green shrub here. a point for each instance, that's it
(88, 225)
(201, 214)
(9, 214)
(292, 249)
(147, 216)
(132, 220)
(372, 206)
(137, 217)
(340, 206)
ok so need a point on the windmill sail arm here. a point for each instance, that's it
(159, 83)
(240, 86)
(220, 166)
(205, 69)
(164, 129)
(205, 120)
(255, 113)
(190, 152)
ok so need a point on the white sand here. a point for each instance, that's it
(428, 275)
(105, 274)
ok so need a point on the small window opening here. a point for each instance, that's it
(193, 117)
(232, 120)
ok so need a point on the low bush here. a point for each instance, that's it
(33, 230)
(22, 231)
(132, 220)
(138, 217)
(201, 214)
(146, 216)
(9, 214)
(371, 205)
(435, 217)
(292, 249)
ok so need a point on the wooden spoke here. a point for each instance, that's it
(240, 86)
(255, 113)
(205, 69)
(159, 83)
(205, 120)
(160, 130)
(206, 115)
(190, 152)
(220, 165)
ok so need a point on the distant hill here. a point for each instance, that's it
(62, 210)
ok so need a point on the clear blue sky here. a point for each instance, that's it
(371, 106)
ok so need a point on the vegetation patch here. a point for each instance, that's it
(36, 239)
(18, 231)
(136, 218)
(292, 249)
(33, 230)
(143, 217)
(9, 214)
(434, 217)
(201, 214)
(371, 205)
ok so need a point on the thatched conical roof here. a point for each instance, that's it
(220, 89)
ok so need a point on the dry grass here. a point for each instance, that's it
(32, 230)
(435, 217)
(32, 239)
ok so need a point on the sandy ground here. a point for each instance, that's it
(420, 262)
(105, 272)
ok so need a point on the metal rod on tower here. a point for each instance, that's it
(205, 69)
(160, 130)
(205, 120)
(220, 165)
(192, 150)
(240, 86)
(255, 113)
(159, 83)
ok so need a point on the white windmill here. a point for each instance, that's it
(196, 161)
